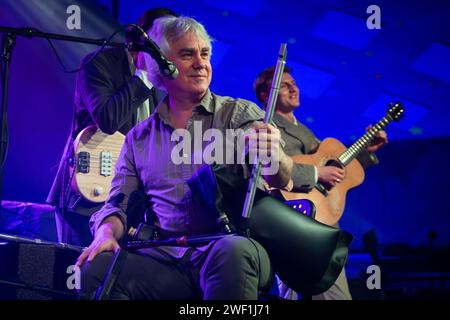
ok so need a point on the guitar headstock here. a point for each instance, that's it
(396, 111)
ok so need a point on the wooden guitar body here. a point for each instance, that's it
(96, 154)
(329, 204)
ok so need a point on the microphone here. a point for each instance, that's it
(166, 67)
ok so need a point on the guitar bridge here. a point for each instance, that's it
(106, 163)
(83, 162)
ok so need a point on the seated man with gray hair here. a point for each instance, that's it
(233, 267)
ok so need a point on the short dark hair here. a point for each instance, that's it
(146, 22)
(264, 80)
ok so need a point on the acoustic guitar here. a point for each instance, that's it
(96, 154)
(330, 201)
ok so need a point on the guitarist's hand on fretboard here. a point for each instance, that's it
(379, 141)
(330, 203)
(330, 175)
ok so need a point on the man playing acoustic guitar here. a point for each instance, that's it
(301, 140)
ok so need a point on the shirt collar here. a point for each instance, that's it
(283, 122)
(207, 102)
(206, 105)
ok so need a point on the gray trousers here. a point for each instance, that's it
(338, 291)
(233, 267)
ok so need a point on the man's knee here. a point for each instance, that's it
(238, 248)
(237, 256)
(243, 254)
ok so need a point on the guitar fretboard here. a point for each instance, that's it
(363, 142)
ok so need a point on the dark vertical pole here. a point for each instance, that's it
(7, 45)
(115, 9)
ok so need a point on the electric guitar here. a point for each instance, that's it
(330, 201)
(96, 154)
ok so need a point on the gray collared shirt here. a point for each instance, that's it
(298, 140)
(146, 160)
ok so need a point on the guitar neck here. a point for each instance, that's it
(362, 143)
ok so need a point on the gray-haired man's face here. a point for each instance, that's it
(192, 56)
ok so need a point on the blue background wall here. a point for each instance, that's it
(347, 75)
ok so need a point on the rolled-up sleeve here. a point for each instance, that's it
(304, 177)
(124, 183)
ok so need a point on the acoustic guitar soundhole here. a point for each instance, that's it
(334, 163)
(323, 188)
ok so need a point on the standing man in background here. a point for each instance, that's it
(113, 93)
(301, 140)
